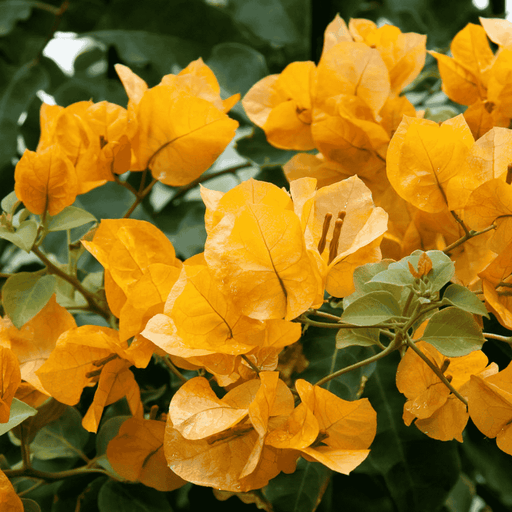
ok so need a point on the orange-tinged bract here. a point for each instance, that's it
(281, 105)
(490, 406)
(35, 341)
(436, 411)
(10, 379)
(137, 454)
(45, 180)
(231, 455)
(10, 501)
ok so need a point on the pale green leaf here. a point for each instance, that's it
(362, 337)
(462, 298)
(20, 411)
(70, 217)
(372, 308)
(453, 332)
(25, 294)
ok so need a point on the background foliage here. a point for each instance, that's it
(242, 41)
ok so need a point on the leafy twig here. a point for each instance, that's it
(390, 348)
(470, 234)
(206, 177)
(506, 339)
(89, 297)
(436, 370)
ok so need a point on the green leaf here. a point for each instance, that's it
(398, 273)
(319, 346)
(70, 217)
(256, 148)
(462, 298)
(138, 48)
(453, 332)
(372, 308)
(106, 433)
(20, 411)
(417, 471)
(363, 284)
(183, 224)
(12, 11)
(30, 505)
(237, 66)
(25, 294)
(362, 337)
(301, 491)
(24, 237)
(64, 437)
(118, 497)
(8, 202)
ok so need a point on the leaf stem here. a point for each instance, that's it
(139, 197)
(470, 234)
(251, 364)
(390, 348)
(323, 314)
(52, 477)
(436, 370)
(506, 339)
(89, 297)
(167, 361)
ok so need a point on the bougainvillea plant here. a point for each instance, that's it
(394, 232)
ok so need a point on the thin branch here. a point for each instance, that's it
(173, 369)
(89, 297)
(206, 177)
(470, 234)
(323, 314)
(461, 222)
(251, 364)
(390, 348)
(139, 198)
(436, 370)
(506, 339)
(53, 477)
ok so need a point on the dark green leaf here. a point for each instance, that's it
(462, 298)
(30, 505)
(20, 411)
(453, 332)
(64, 437)
(419, 472)
(362, 337)
(301, 491)
(139, 48)
(27, 80)
(70, 217)
(184, 226)
(237, 66)
(108, 430)
(372, 308)
(12, 11)
(118, 497)
(25, 294)
(256, 148)
(320, 350)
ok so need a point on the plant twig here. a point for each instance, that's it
(53, 477)
(139, 198)
(251, 364)
(470, 234)
(203, 178)
(506, 339)
(390, 348)
(436, 370)
(89, 297)
(173, 369)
